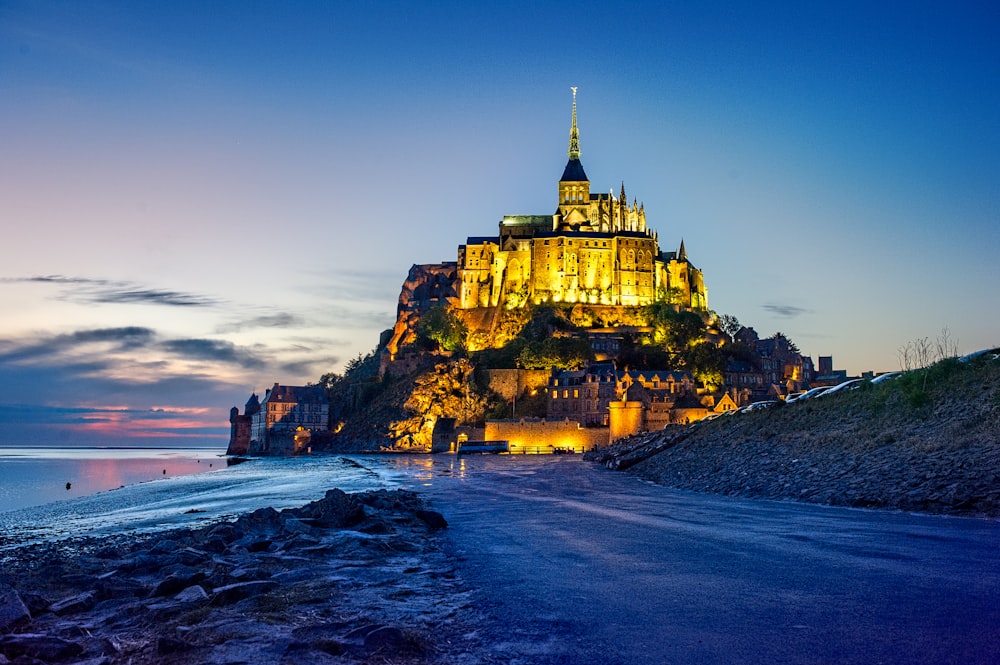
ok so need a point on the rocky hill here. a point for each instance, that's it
(928, 441)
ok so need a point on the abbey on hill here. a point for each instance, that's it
(561, 333)
(596, 249)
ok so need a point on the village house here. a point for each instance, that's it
(283, 423)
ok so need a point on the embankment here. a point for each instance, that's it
(929, 442)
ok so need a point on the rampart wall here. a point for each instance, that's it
(540, 436)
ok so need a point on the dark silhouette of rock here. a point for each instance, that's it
(12, 608)
(433, 519)
(40, 647)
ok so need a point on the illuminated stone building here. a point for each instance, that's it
(583, 395)
(287, 418)
(596, 249)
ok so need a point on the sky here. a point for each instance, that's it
(199, 199)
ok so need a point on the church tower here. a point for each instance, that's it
(574, 187)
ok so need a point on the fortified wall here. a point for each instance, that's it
(540, 436)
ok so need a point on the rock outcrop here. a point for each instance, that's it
(349, 578)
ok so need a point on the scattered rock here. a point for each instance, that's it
(192, 594)
(244, 591)
(385, 638)
(235, 592)
(12, 608)
(78, 603)
(433, 519)
(38, 646)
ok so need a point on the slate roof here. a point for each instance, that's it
(574, 172)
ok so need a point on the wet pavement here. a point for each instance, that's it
(576, 564)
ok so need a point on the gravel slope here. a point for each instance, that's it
(905, 444)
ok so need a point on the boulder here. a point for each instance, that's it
(192, 594)
(172, 584)
(78, 603)
(12, 608)
(41, 647)
(433, 519)
(235, 592)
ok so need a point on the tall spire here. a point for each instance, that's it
(574, 133)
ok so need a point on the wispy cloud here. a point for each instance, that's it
(786, 311)
(114, 339)
(148, 297)
(213, 350)
(279, 320)
(86, 290)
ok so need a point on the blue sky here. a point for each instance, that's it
(200, 199)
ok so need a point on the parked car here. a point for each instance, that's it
(791, 397)
(985, 354)
(888, 376)
(841, 387)
(757, 406)
(809, 394)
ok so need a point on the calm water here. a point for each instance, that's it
(35, 476)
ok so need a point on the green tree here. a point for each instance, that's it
(674, 329)
(707, 362)
(555, 352)
(730, 325)
(442, 326)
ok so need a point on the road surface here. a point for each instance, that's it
(576, 564)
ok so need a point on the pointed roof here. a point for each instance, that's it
(681, 253)
(574, 169)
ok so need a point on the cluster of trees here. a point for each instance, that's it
(679, 340)
(545, 336)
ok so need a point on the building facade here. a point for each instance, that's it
(596, 249)
(287, 418)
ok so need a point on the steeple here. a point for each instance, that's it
(574, 169)
(574, 133)
(681, 254)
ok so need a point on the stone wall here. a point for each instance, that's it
(540, 436)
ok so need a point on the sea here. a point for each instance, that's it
(52, 494)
